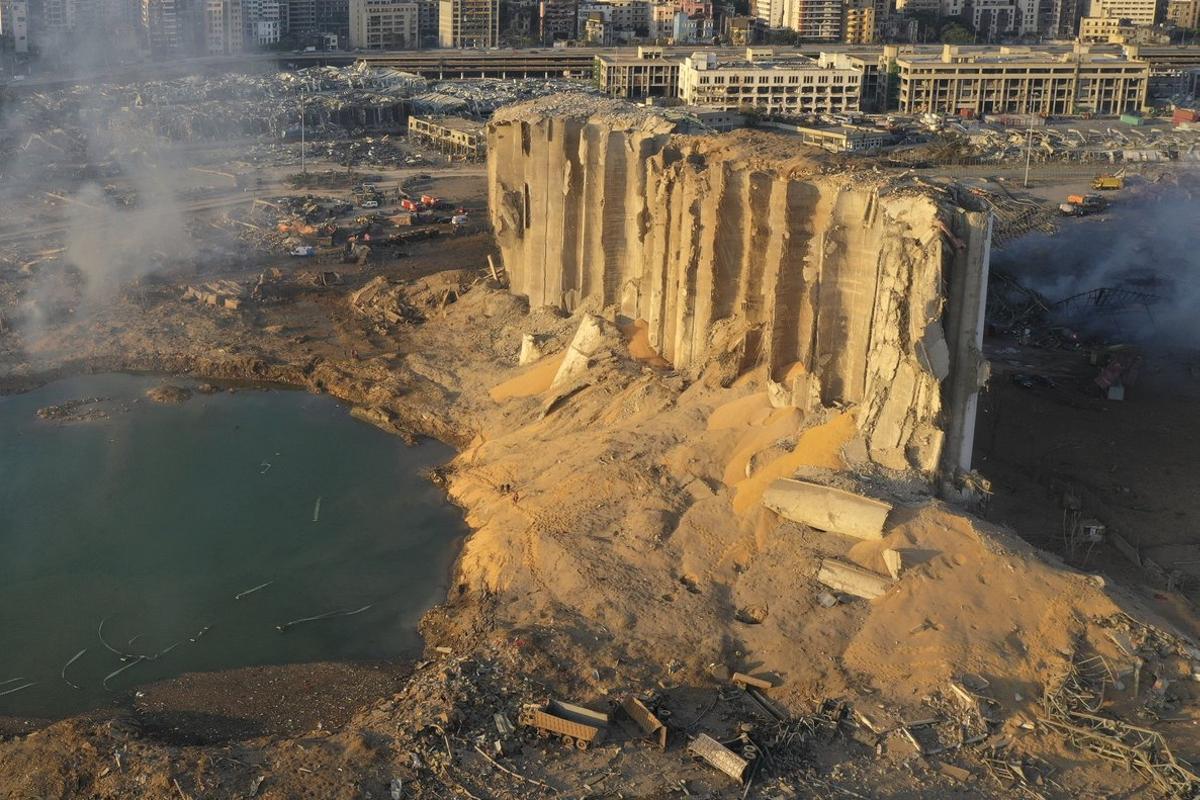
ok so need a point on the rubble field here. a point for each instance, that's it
(629, 474)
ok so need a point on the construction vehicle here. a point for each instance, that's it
(577, 726)
(1080, 205)
(1108, 183)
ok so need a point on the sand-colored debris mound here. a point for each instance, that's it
(741, 250)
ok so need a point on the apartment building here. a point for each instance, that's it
(773, 85)
(1021, 81)
(557, 20)
(262, 23)
(1138, 12)
(14, 24)
(384, 24)
(1184, 13)
(469, 23)
(164, 24)
(1110, 30)
(223, 27)
(816, 20)
(858, 22)
(744, 31)
(648, 73)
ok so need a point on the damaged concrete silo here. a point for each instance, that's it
(852, 288)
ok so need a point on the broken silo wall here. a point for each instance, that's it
(836, 280)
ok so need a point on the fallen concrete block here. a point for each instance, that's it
(650, 724)
(891, 560)
(827, 508)
(852, 580)
(593, 336)
(741, 679)
(531, 350)
(719, 756)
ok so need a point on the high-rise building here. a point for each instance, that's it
(469, 23)
(333, 17)
(773, 13)
(817, 20)
(858, 22)
(1062, 18)
(262, 26)
(427, 22)
(384, 24)
(1184, 13)
(557, 19)
(164, 27)
(301, 18)
(14, 24)
(223, 27)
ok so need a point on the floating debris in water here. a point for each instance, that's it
(119, 653)
(74, 658)
(328, 615)
(240, 595)
(19, 688)
(317, 510)
(137, 660)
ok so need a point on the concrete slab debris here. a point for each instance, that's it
(742, 679)
(827, 508)
(719, 756)
(853, 580)
(646, 719)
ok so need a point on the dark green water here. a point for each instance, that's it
(156, 517)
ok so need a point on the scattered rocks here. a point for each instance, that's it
(81, 410)
(169, 394)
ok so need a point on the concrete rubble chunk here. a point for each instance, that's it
(531, 350)
(850, 579)
(826, 508)
(891, 560)
(592, 338)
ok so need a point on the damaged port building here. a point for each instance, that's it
(855, 289)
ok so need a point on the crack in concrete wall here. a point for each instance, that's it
(837, 281)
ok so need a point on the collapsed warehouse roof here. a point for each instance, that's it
(233, 104)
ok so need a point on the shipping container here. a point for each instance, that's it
(1132, 119)
(1184, 115)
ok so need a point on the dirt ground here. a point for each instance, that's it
(619, 547)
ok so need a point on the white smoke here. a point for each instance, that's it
(1148, 241)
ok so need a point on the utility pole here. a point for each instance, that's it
(303, 162)
(1028, 152)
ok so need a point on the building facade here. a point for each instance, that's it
(469, 23)
(858, 22)
(816, 20)
(1021, 81)
(223, 27)
(263, 26)
(1138, 12)
(648, 73)
(14, 24)
(771, 85)
(384, 25)
(1184, 13)
(558, 20)
(164, 26)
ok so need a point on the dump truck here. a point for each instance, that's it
(575, 725)
(1108, 182)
